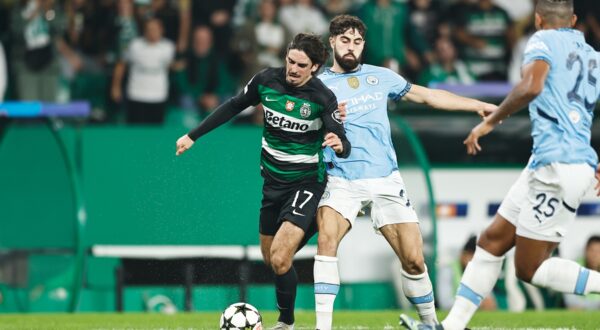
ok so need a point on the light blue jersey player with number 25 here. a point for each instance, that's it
(561, 84)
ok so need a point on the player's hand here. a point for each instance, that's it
(183, 144)
(333, 141)
(472, 141)
(343, 112)
(487, 109)
(597, 187)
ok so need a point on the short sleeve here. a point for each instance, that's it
(398, 86)
(537, 49)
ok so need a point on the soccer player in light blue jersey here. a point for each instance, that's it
(560, 82)
(369, 177)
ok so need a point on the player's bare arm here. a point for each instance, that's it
(532, 84)
(444, 100)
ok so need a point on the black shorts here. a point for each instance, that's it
(296, 203)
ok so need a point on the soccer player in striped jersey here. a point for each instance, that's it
(560, 82)
(301, 116)
(369, 177)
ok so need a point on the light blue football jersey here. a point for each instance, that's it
(561, 116)
(366, 92)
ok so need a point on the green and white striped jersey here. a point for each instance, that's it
(295, 122)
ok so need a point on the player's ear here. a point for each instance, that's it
(332, 41)
(314, 68)
(573, 20)
(538, 21)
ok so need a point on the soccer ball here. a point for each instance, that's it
(241, 316)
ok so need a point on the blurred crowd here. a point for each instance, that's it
(133, 59)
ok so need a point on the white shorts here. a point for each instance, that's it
(386, 196)
(542, 203)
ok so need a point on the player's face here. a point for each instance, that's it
(347, 49)
(298, 68)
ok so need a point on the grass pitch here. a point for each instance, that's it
(304, 320)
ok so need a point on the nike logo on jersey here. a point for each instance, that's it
(271, 99)
(297, 213)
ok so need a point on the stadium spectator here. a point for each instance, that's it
(166, 13)
(302, 16)
(486, 33)
(90, 41)
(424, 15)
(261, 43)
(336, 7)
(302, 118)
(591, 260)
(446, 68)
(3, 73)
(218, 16)
(390, 34)
(149, 59)
(205, 79)
(125, 27)
(37, 27)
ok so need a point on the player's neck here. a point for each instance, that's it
(338, 69)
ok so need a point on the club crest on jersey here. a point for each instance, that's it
(305, 110)
(289, 105)
(372, 80)
(353, 82)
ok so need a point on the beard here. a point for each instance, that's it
(348, 62)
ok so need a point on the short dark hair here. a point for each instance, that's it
(312, 46)
(555, 10)
(593, 239)
(341, 24)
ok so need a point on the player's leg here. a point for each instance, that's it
(555, 194)
(405, 239)
(332, 228)
(284, 246)
(337, 210)
(482, 272)
(395, 218)
(297, 220)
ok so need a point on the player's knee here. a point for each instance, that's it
(280, 264)
(525, 272)
(327, 244)
(414, 265)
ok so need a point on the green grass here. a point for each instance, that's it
(304, 320)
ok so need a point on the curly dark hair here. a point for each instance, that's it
(341, 23)
(312, 46)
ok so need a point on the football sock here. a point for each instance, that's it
(285, 289)
(418, 290)
(477, 282)
(327, 285)
(566, 276)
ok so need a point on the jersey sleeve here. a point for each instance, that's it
(398, 86)
(247, 97)
(333, 123)
(538, 48)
